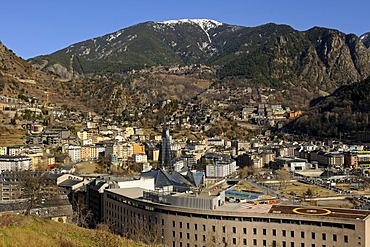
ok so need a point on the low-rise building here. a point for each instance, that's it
(15, 163)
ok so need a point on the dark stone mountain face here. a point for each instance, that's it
(365, 38)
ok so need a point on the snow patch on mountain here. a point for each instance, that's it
(204, 24)
(114, 35)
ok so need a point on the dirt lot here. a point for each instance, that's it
(246, 187)
(345, 203)
(299, 189)
(86, 167)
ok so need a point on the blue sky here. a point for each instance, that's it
(36, 27)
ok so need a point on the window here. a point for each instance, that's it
(195, 226)
(223, 229)
(213, 228)
(223, 240)
(291, 244)
(292, 234)
(283, 232)
(335, 237)
(234, 241)
(173, 244)
(204, 227)
(245, 230)
(173, 234)
(180, 234)
(264, 243)
(264, 231)
(302, 244)
(255, 242)
(188, 235)
(302, 234)
(273, 232)
(255, 231)
(180, 224)
(345, 238)
(313, 235)
(196, 237)
(188, 225)
(204, 238)
(313, 245)
(173, 223)
(324, 236)
(244, 241)
(234, 229)
(283, 244)
(162, 222)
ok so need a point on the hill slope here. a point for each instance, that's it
(19, 230)
(17, 77)
(346, 110)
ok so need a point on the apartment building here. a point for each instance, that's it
(234, 224)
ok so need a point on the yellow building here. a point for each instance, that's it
(129, 131)
(138, 148)
(295, 114)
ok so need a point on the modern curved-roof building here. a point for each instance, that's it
(204, 220)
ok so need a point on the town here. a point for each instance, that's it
(89, 169)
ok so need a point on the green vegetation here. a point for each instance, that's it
(346, 110)
(19, 230)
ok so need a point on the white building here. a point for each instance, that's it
(215, 142)
(140, 158)
(3, 150)
(74, 153)
(146, 183)
(15, 150)
(221, 169)
(14, 163)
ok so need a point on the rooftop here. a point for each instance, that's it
(244, 207)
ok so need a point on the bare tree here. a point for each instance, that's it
(144, 231)
(81, 216)
(248, 170)
(284, 177)
(34, 186)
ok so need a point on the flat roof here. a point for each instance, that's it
(134, 193)
(320, 211)
(244, 207)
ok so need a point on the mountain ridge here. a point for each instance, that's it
(269, 52)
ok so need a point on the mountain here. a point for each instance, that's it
(344, 111)
(19, 79)
(318, 58)
(366, 39)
